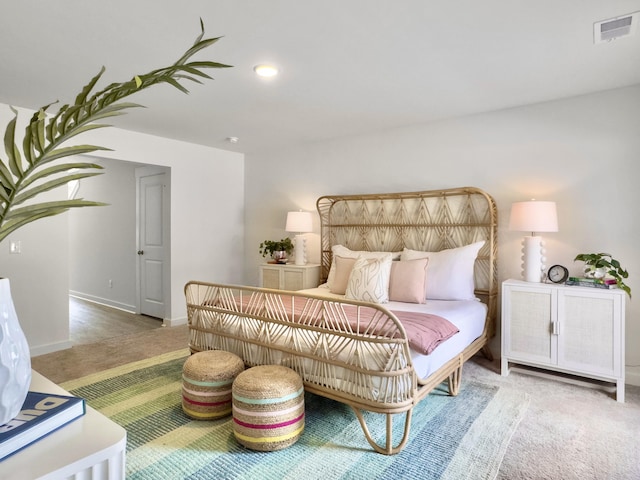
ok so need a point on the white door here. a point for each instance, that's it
(152, 235)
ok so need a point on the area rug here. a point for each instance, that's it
(451, 437)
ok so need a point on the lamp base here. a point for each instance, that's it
(532, 259)
(301, 250)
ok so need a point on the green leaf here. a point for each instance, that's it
(195, 71)
(204, 64)
(5, 177)
(15, 162)
(50, 185)
(68, 151)
(199, 45)
(175, 83)
(84, 93)
(51, 128)
(9, 227)
(59, 169)
(39, 208)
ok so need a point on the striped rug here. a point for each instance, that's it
(451, 437)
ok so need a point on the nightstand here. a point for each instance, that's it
(569, 329)
(289, 276)
(91, 446)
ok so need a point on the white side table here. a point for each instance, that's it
(289, 276)
(90, 447)
(569, 329)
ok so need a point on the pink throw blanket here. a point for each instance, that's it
(425, 331)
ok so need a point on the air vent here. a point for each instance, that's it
(613, 28)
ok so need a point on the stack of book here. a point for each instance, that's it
(592, 282)
(41, 414)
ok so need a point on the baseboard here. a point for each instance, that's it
(103, 301)
(632, 376)
(50, 348)
(174, 322)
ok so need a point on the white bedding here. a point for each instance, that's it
(468, 315)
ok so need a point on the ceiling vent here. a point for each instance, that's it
(613, 28)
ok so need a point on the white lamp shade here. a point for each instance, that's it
(300, 222)
(534, 216)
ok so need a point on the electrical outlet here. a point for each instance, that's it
(15, 247)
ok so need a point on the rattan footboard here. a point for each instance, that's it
(364, 361)
(365, 364)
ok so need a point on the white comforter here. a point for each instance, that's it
(468, 315)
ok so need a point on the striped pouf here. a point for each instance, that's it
(207, 378)
(268, 407)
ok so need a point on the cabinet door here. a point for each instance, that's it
(271, 277)
(589, 332)
(293, 279)
(529, 318)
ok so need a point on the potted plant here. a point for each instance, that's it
(32, 166)
(278, 250)
(598, 265)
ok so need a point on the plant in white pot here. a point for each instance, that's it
(600, 265)
(32, 166)
(277, 250)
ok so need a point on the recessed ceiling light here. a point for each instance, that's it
(266, 70)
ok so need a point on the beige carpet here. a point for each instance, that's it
(568, 432)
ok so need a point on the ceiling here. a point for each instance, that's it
(347, 67)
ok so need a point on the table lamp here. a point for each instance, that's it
(300, 222)
(533, 216)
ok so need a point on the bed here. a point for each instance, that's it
(408, 294)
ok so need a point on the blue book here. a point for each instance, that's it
(41, 414)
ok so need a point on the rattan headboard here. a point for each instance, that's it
(429, 221)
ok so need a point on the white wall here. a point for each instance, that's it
(207, 227)
(102, 241)
(581, 152)
(39, 279)
(207, 196)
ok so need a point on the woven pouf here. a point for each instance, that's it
(268, 407)
(207, 378)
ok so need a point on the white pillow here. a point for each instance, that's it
(450, 272)
(344, 252)
(408, 281)
(369, 280)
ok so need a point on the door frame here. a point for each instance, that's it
(147, 170)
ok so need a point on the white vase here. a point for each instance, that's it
(15, 362)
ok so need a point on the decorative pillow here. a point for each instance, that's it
(408, 281)
(343, 270)
(450, 272)
(369, 280)
(344, 252)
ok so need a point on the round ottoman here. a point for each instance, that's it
(207, 378)
(268, 407)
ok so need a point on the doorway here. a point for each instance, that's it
(104, 241)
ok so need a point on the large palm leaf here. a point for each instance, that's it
(28, 171)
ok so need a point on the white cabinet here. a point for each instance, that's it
(90, 447)
(575, 330)
(289, 277)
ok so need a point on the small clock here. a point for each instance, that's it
(558, 274)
